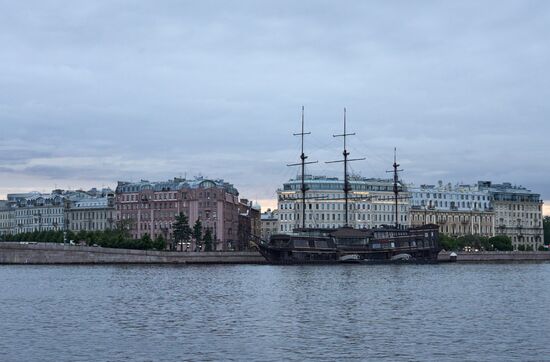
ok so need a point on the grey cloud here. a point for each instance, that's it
(460, 88)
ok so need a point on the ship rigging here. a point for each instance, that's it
(344, 244)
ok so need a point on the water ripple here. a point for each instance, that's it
(449, 312)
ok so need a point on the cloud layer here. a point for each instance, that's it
(91, 93)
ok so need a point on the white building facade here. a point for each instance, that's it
(518, 213)
(91, 214)
(39, 212)
(458, 210)
(34, 211)
(371, 203)
(7, 219)
(448, 197)
(485, 209)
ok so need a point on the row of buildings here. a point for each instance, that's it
(142, 207)
(146, 207)
(59, 210)
(484, 209)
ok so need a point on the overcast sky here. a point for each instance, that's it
(99, 91)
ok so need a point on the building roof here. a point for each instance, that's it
(446, 188)
(269, 216)
(175, 185)
(92, 203)
(325, 183)
(37, 199)
(5, 205)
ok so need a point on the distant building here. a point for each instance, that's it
(458, 210)
(58, 210)
(518, 213)
(249, 224)
(37, 212)
(448, 197)
(151, 207)
(371, 203)
(14, 198)
(91, 212)
(456, 223)
(485, 209)
(7, 218)
(269, 220)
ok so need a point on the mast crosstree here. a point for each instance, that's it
(347, 186)
(303, 163)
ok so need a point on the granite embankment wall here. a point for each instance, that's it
(497, 256)
(50, 253)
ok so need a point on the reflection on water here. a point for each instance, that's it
(409, 312)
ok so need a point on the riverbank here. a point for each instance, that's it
(496, 256)
(51, 253)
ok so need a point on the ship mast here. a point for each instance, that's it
(303, 163)
(347, 186)
(395, 172)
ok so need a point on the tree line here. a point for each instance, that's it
(183, 235)
(107, 239)
(120, 237)
(495, 243)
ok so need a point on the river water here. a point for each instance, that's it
(453, 312)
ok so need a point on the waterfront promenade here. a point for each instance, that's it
(52, 253)
(496, 256)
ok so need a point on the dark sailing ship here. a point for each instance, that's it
(386, 244)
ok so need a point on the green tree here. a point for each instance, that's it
(501, 242)
(448, 242)
(521, 247)
(123, 227)
(182, 232)
(70, 235)
(208, 240)
(159, 243)
(81, 236)
(197, 233)
(542, 248)
(145, 243)
(474, 241)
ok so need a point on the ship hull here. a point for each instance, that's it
(290, 257)
(418, 245)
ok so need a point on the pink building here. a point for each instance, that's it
(152, 207)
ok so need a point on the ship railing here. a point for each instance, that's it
(257, 240)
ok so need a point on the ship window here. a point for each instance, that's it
(301, 244)
(321, 244)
